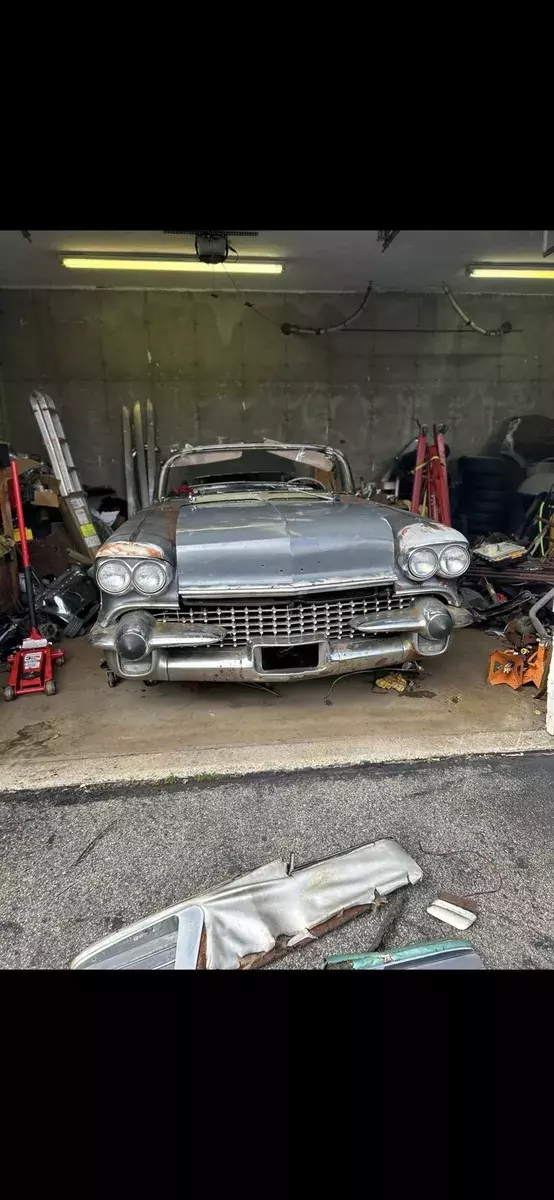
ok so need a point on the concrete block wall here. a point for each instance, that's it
(215, 368)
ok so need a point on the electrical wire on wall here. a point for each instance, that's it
(247, 303)
(310, 329)
(505, 327)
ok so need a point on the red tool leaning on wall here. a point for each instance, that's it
(31, 667)
(430, 495)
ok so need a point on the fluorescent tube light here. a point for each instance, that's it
(87, 262)
(510, 271)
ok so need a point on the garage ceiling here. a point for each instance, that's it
(315, 260)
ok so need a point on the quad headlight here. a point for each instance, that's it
(422, 564)
(150, 577)
(113, 576)
(449, 561)
(454, 560)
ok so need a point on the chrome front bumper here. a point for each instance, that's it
(177, 652)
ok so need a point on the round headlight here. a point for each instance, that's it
(422, 563)
(454, 560)
(113, 576)
(150, 577)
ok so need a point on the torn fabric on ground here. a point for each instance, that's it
(258, 916)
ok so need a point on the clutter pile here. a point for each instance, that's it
(65, 523)
(504, 504)
(506, 508)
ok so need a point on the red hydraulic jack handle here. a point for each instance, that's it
(430, 476)
(32, 664)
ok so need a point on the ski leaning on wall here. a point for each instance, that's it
(140, 457)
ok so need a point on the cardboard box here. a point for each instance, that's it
(23, 464)
(46, 499)
(49, 482)
(47, 491)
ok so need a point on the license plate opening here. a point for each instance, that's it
(290, 658)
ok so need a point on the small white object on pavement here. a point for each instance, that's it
(451, 914)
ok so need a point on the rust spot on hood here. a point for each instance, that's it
(129, 550)
(169, 516)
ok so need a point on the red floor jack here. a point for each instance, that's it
(430, 496)
(31, 667)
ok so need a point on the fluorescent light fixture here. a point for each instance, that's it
(510, 271)
(87, 262)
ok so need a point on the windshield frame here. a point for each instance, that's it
(342, 463)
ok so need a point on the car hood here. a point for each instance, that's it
(266, 545)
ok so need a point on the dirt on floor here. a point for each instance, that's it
(86, 718)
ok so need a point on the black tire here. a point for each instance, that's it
(50, 687)
(74, 627)
(485, 527)
(469, 492)
(479, 515)
(482, 464)
(112, 678)
(482, 508)
(486, 510)
(9, 692)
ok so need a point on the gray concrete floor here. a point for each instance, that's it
(88, 719)
(75, 864)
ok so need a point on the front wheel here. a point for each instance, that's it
(112, 678)
(9, 692)
(50, 687)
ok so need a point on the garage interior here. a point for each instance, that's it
(222, 356)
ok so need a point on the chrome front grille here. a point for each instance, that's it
(326, 614)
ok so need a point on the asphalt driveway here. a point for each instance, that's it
(76, 863)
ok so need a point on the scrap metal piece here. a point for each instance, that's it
(429, 956)
(130, 487)
(445, 908)
(494, 551)
(261, 915)
(189, 936)
(140, 455)
(150, 450)
(534, 618)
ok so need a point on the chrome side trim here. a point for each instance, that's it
(162, 633)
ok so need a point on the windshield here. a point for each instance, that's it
(243, 469)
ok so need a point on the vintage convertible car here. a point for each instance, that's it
(260, 562)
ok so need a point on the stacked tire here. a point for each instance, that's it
(487, 493)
